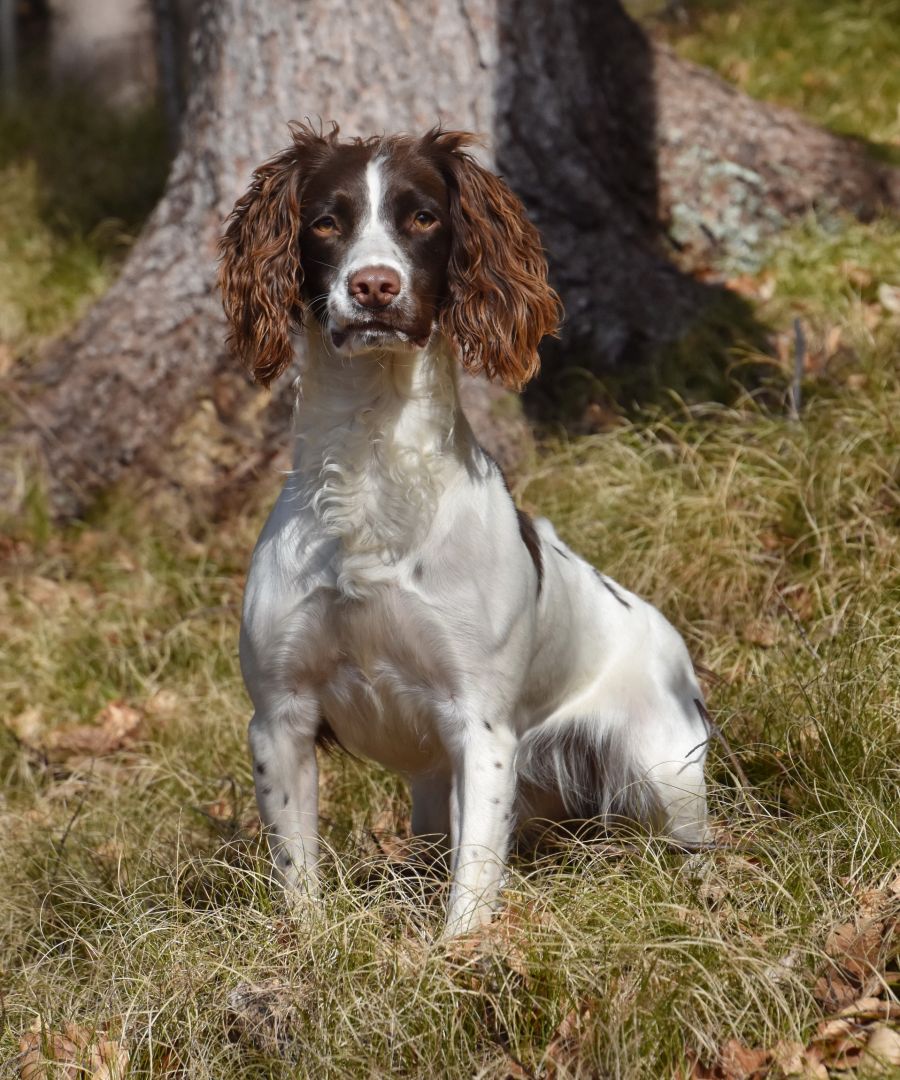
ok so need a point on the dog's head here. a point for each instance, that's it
(382, 241)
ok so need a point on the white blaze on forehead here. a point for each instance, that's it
(374, 244)
(373, 189)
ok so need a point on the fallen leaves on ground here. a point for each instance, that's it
(564, 1050)
(114, 728)
(862, 1037)
(506, 940)
(76, 1053)
(860, 949)
(225, 815)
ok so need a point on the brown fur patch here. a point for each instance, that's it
(532, 542)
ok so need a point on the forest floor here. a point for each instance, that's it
(138, 933)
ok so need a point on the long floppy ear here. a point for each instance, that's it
(499, 302)
(261, 274)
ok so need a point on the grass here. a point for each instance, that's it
(135, 888)
(76, 182)
(135, 903)
(835, 60)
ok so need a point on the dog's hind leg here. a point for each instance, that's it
(647, 768)
(671, 755)
(286, 776)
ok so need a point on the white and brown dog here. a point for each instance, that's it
(396, 597)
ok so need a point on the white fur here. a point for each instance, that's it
(374, 246)
(391, 593)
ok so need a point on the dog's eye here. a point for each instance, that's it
(325, 226)
(423, 220)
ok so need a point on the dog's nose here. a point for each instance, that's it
(374, 286)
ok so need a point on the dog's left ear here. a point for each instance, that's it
(260, 273)
(500, 304)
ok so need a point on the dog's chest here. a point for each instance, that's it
(387, 687)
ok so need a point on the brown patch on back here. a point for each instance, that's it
(326, 739)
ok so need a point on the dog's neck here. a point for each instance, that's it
(379, 436)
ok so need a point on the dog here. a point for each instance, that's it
(396, 598)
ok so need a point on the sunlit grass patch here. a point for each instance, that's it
(835, 62)
(136, 888)
(77, 180)
(134, 895)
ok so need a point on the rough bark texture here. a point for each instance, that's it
(602, 135)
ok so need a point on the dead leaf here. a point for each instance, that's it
(27, 726)
(833, 992)
(110, 851)
(80, 1053)
(115, 726)
(761, 287)
(163, 704)
(740, 1062)
(856, 947)
(738, 71)
(770, 540)
(882, 1052)
(795, 1059)
(53, 596)
(600, 416)
(872, 315)
(872, 1008)
(512, 1070)
(762, 632)
(565, 1047)
(889, 297)
(856, 275)
(832, 340)
(391, 834)
(223, 812)
(800, 600)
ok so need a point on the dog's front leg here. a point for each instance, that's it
(286, 776)
(481, 802)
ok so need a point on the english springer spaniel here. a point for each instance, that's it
(396, 597)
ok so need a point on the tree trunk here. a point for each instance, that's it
(603, 136)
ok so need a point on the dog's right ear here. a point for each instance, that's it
(261, 273)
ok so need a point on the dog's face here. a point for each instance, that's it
(376, 243)
(382, 242)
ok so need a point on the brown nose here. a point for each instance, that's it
(374, 286)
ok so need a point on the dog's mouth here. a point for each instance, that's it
(375, 333)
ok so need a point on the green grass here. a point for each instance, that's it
(76, 182)
(135, 896)
(834, 60)
(774, 545)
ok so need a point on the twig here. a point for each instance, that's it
(715, 730)
(804, 637)
(799, 366)
(79, 806)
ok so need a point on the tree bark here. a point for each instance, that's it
(607, 140)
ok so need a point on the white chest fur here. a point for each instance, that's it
(362, 583)
(375, 439)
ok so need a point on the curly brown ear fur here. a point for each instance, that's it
(499, 303)
(260, 273)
